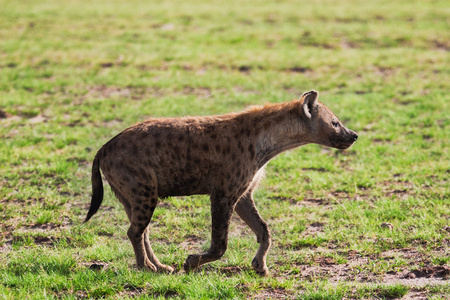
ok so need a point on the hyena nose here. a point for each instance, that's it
(355, 136)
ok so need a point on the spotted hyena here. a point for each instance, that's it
(221, 156)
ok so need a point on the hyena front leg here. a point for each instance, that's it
(221, 211)
(248, 212)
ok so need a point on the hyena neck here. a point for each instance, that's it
(276, 129)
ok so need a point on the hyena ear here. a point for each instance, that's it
(309, 100)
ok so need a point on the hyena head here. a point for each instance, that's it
(325, 128)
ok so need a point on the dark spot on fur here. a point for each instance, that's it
(157, 144)
(267, 125)
(132, 172)
(252, 151)
(238, 174)
(146, 194)
(280, 118)
(205, 147)
(226, 149)
(180, 138)
(241, 148)
(243, 177)
(213, 136)
(209, 129)
(142, 172)
(218, 148)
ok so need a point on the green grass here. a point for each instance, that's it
(73, 75)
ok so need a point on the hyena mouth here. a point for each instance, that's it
(344, 142)
(343, 146)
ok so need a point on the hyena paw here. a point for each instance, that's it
(192, 262)
(165, 269)
(147, 266)
(260, 267)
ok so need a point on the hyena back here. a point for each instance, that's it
(221, 156)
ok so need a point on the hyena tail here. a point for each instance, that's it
(97, 189)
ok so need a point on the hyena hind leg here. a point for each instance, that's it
(140, 219)
(138, 227)
(140, 212)
(138, 235)
(152, 257)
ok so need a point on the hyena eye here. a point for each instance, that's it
(335, 123)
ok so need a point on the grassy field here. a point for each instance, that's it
(371, 222)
